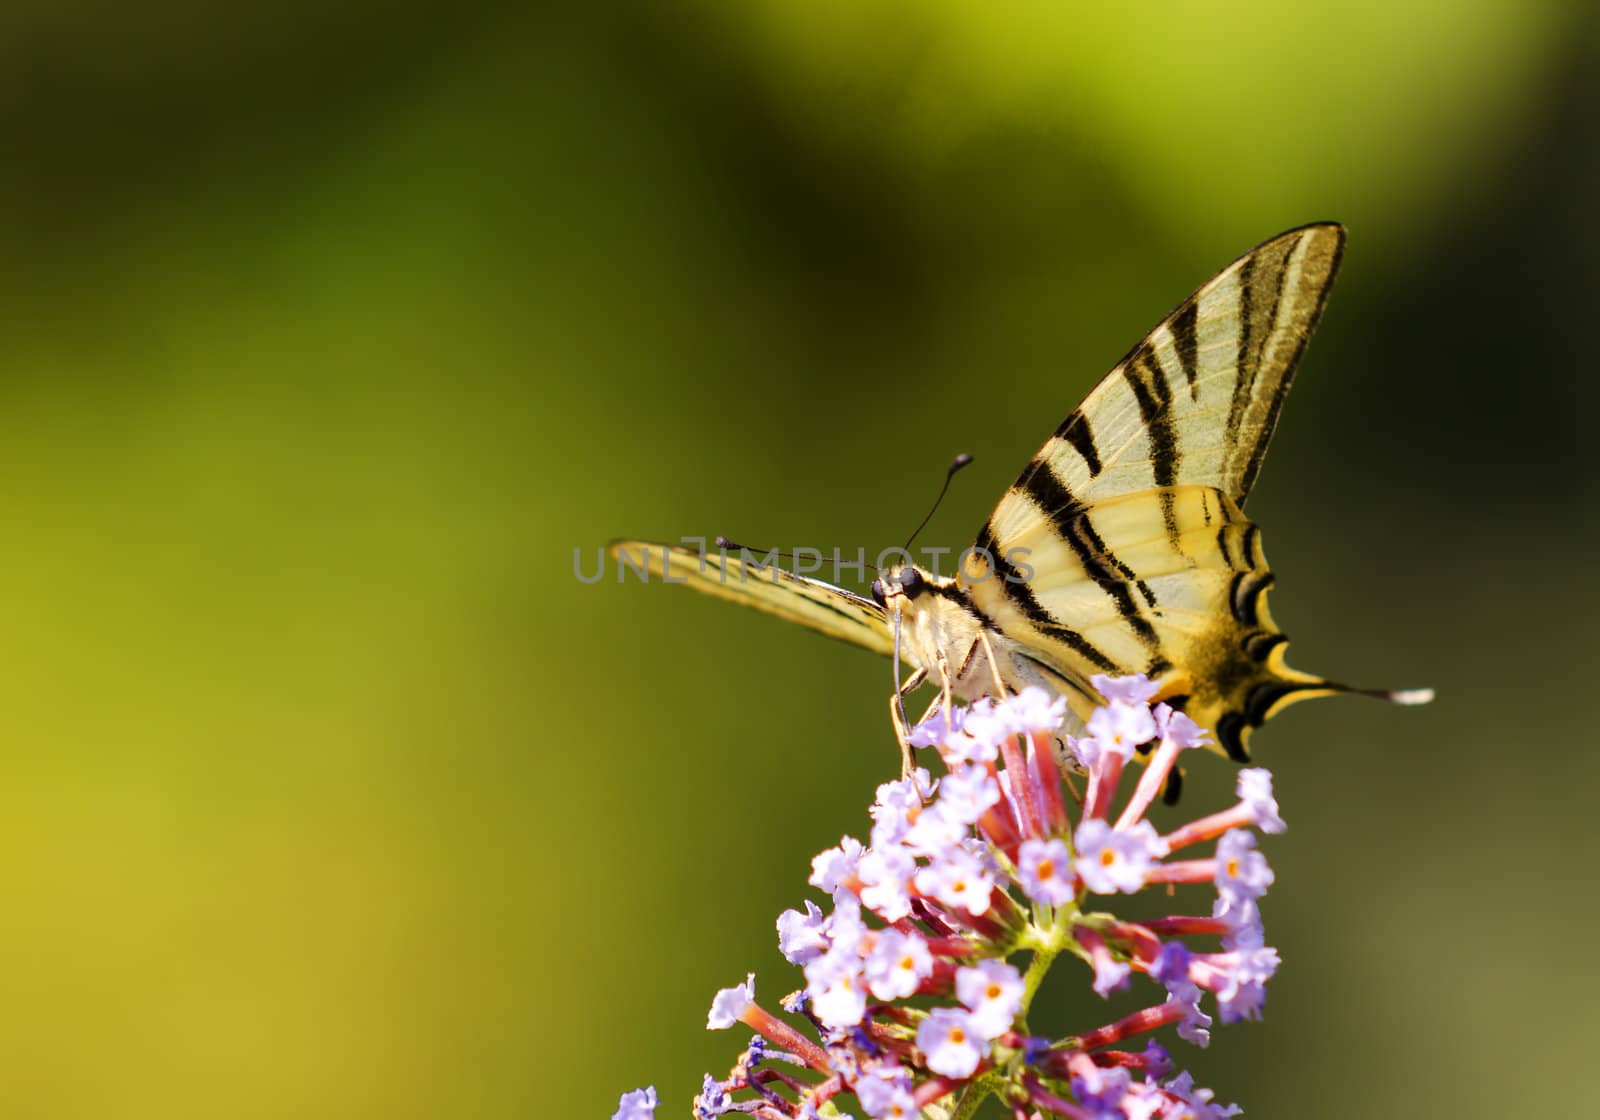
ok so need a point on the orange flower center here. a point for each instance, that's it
(1107, 858)
(1047, 869)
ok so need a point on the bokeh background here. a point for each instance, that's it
(330, 332)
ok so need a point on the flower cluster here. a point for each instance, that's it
(919, 977)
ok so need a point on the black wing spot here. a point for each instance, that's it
(1258, 647)
(1230, 733)
(1076, 431)
(1244, 595)
(1186, 341)
(1153, 395)
(1173, 791)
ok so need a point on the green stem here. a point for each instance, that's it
(1042, 960)
(974, 1095)
(1045, 951)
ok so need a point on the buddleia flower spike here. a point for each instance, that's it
(921, 968)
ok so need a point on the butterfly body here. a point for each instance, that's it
(1123, 547)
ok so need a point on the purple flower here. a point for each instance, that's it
(1118, 728)
(1102, 1089)
(958, 880)
(1137, 689)
(831, 868)
(1086, 752)
(637, 1105)
(1044, 868)
(1242, 872)
(935, 831)
(885, 1092)
(845, 927)
(1111, 860)
(1178, 729)
(950, 1042)
(967, 792)
(1244, 975)
(1196, 1023)
(884, 873)
(1157, 1062)
(714, 1098)
(1110, 974)
(891, 815)
(837, 988)
(1199, 1101)
(1172, 968)
(936, 731)
(904, 796)
(897, 965)
(992, 991)
(802, 937)
(730, 1003)
(986, 727)
(1033, 709)
(1255, 790)
(1244, 922)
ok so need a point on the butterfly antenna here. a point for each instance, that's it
(728, 545)
(956, 464)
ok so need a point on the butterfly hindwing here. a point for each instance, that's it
(810, 602)
(1123, 547)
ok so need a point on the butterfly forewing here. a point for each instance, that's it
(1123, 546)
(811, 602)
(1196, 401)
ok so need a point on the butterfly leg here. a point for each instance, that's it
(902, 733)
(994, 666)
(945, 691)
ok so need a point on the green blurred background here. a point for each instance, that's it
(331, 331)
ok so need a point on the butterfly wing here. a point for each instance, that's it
(1196, 401)
(1123, 547)
(810, 602)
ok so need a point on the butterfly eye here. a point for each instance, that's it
(877, 591)
(911, 582)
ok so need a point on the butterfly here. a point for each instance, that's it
(1123, 546)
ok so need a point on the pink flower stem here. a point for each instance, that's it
(1150, 782)
(936, 1087)
(1183, 871)
(1206, 827)
(1103, 781)
(1139, 1022)
(942, 946)
(1186, 924)
(776, 1030)
(827, 1090)
(1047, 778)
(1128, 1059)
(1039, 1095)
(998, 828)
(1139, 937)
(1024, 807)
